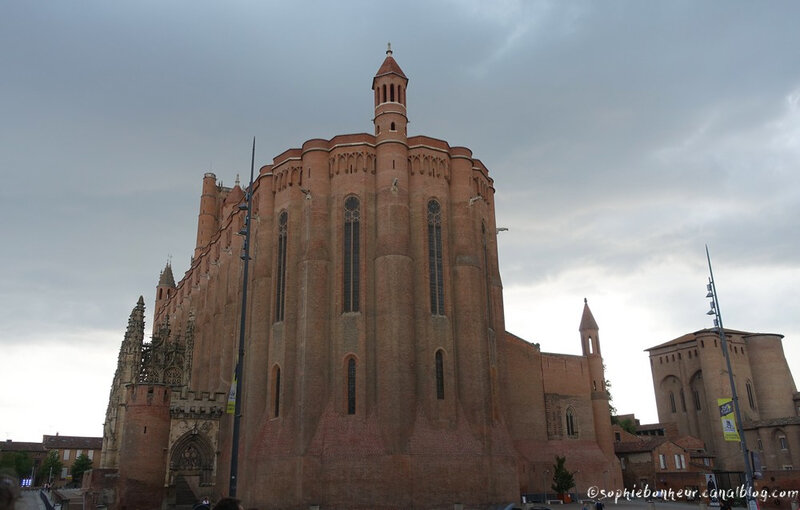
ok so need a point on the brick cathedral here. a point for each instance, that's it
(378, 372)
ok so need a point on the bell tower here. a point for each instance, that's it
(389, 86)
(394, 267)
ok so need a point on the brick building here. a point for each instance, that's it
(690, 374)
(378, 371)
(69, 448)
(657, 458)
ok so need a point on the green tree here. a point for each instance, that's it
(81, 464)
(50, 465)
(20, 463)
(563, 480)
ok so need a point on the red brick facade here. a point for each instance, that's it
(378, 372)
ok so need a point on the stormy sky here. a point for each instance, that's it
(622, 137)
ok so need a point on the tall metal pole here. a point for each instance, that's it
(237, 413)
(748, 470)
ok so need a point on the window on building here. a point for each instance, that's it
(351, 386)
(570, 416)
(276, 392)
(622, 462)
(280, 274)
(352, 213)
(78, 453)
(677, 461)
(782, 441)
(706, 461)
(662, 461)
(787, 467)
(64, 472)
(672, 402)
(435, 269)
(439, 375)
(66, 454)
(90, 454)
(750, 397)
(683, 461)
(617, 436)
(696, 397)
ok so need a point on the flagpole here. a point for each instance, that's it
(748, 470)
(237, 413)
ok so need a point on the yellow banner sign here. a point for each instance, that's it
(231, 407)
(728, 419)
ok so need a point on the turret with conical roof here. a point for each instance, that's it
(590, 332)
(393, 267)
(601, 411)
(164, 289)
(389, 86)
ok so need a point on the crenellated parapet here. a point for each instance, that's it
(197, 404)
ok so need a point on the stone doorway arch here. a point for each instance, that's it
(192, 459)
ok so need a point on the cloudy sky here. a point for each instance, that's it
(622, 137)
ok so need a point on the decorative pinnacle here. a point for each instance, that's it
(389, 49)
(237, 180)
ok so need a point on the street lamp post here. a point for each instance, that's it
(715, 310)
(237, 413)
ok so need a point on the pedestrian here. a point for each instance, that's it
(9, 492)
(598, 505)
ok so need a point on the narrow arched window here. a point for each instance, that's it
(435, 269)
(392, 128)
(439, 375)
(352, 212)
(276, 392)
(383, 99)
(570, 418)
(391, 92)
(280, 274)
(750, 398)
(672, 402)
(351, 386)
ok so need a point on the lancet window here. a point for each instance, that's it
(351, 386)
(439, 375)
(352, 213)
(570, 419)
(435, 268)
(276, 392)
(280, 287)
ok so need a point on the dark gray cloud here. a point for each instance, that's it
(622, 137)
